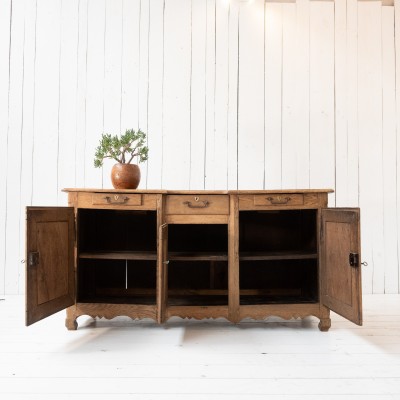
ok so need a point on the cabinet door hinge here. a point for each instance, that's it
(354, 260)
(33, 258)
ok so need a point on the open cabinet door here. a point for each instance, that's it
(50, 280)
(340, 262)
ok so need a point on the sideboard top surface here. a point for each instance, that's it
(161, 191)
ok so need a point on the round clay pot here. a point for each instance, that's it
(125, 176)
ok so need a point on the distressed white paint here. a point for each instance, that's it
(232, 95)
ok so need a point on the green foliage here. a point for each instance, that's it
(122, 149)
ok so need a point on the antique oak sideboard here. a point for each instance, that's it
(194, 254)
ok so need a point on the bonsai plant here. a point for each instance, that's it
(123, 149)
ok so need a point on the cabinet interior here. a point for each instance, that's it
(117, 256)
(198, 264)
(278, 258)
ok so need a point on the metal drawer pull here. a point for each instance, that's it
(116, 199)
(203, 205)
(279, 200)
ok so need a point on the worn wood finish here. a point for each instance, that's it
(285, 311)
(106, 199)
(50, 281)
(162, 262)
(282, 200)
(233, 255)
(197, 204)
(199, 312)
(283, 268)
(117, 200)
(341, 283)
(109, 311)
(196, 219)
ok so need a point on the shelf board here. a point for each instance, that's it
(197, 256)
(270, 256)
(120, 255)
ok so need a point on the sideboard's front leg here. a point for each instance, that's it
(70, 320)
(324, 319)
(324, 324)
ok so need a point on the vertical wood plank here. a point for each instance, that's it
(251, 96)
(370, 142)
(68, 87)
(210, 55)
(302, 94)
(221, 95)
(155, 108)
(12, 148)
(143, 79)
(47, 70)
(322, 140)
(176, 98)
(341, 116)
(81, 94)
(130, 63)
(5, 20)
(273, 95)
(397, 74)
(94, 107)
(352, 103)
(233, 46)
(198, 94)
(289, 122)
(112, 81)
(27, 126)
(390, 232)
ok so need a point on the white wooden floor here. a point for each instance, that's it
(192, 360)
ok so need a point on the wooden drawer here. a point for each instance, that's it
(116, 199)
(279, 200)
(198, 204)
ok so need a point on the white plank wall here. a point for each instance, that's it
(232, 93)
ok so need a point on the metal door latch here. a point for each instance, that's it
(33, 258)
(353, 260)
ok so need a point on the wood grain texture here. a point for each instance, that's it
(109, 311)
(341, 283)
(233, 259)
(98, 269)
(50, 276)
(198, 204)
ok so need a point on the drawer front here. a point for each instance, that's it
(198, 204)
(116, 199)
(281, 199)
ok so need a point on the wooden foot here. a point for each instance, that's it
(324, 324)
(71, 324)
(70, 320)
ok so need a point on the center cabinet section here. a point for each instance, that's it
(117, 256)
(198, 265)
(278, 257)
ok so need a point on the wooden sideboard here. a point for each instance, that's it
(194, 254)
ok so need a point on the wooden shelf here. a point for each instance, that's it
(197, 256)
(270, 256)
(152, 255)
(120, 255)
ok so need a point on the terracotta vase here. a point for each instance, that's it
(125, 176)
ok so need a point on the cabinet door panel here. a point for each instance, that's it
(340, 281)
(50, 281)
